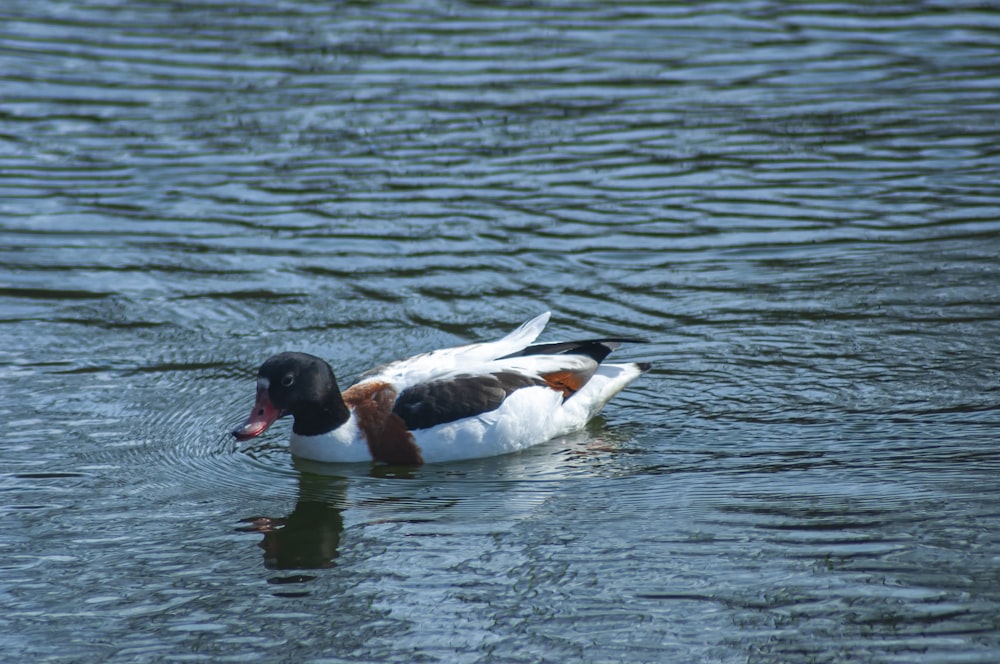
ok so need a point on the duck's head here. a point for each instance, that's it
(295, 384)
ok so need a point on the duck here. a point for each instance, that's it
(476, 400)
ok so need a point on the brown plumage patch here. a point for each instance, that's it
(385, 432)
(568, 381)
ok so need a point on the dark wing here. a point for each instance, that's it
(596, 349)
(442, 401)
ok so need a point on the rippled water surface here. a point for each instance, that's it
(797, 203)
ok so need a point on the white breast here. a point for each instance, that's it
(344, 444)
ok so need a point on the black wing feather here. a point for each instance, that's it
(439, 402)
(596, 349)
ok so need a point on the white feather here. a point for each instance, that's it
(527, 417)
(435, 364)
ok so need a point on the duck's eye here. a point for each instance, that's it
(287, 380)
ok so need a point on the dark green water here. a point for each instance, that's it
(798, 203)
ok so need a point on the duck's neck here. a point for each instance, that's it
(322, 416)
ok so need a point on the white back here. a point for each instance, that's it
(464, 359)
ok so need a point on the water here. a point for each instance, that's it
(795, 202)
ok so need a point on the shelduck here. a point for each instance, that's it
(478, 400)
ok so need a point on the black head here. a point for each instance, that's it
(300, 385)
(295, 381)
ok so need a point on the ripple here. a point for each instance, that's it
(794, 203)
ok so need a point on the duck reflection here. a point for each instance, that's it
(308, 537)
(498, 487)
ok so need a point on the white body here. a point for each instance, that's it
(529, 416)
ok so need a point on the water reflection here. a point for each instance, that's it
(495, 489)
(309, 536)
